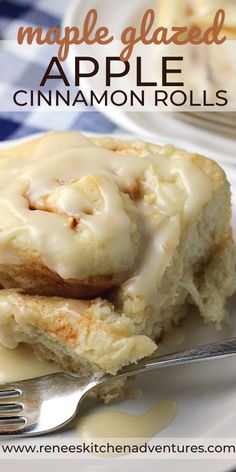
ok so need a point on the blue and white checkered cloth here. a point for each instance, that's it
(45, 13)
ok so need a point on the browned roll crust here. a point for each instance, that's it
(179, 214)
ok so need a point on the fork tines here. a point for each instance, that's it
(9, 421)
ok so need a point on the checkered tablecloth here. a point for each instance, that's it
(45, 13)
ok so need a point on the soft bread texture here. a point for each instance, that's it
(202, 270)
(203, 14)
(197, 12)
(85, 336)
(202, 63)
(218, 58)
(172, 13)
(100, 261)
(98, 269)
(119, 327)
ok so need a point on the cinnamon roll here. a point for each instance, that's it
(210, 68)
(68, 221)
(140, 231)
(197, 12)
(203, 13)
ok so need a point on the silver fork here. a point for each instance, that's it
(45, 404)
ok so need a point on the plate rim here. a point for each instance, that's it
(8, 143)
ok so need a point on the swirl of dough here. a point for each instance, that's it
(78, 216)
(72, 214)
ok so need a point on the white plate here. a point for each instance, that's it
(205, 392)
(155, 125)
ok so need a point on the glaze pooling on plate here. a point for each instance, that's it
(195, 389)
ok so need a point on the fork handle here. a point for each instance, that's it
(216, 350)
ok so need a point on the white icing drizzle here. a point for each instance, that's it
(55, 181)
